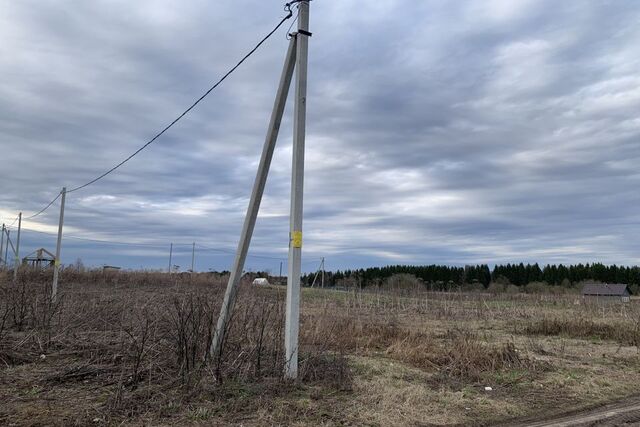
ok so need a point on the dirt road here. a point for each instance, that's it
(624, 413)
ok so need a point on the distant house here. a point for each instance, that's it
(260, 281)
(606, 291)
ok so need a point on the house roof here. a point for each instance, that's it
(605, 289)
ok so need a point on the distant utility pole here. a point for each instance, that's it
(2, 244)
(320, 270)
(280, 275)
(292, 318)
(193, 257)
(56, 266)
(170, 255)
(256, 198)
(17, 259)
(6, 247)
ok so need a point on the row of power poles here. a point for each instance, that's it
(16, 249)
(296, 60)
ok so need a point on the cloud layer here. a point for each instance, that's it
(438, 132)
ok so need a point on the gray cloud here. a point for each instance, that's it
(475, 131)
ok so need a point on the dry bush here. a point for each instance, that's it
(414, 348)
(626, 333)
(465, 358)
(403, 283)
(147, 343)
(458, 355)
(350, 333)
(252, 345)
(330, 369)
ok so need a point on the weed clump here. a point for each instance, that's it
(582, 328)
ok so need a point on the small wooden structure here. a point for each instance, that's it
(39, 258)
(614, 292)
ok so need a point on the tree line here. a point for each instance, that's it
(442, 277)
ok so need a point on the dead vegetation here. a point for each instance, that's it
(625, 333)
(147, 346)
(116, 349)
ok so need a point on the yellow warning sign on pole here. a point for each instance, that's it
(296, 238)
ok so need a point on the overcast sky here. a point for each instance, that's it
(438, 131)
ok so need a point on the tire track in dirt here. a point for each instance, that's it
(622, 413)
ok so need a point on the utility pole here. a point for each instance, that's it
(2, 244)
(315, 276)
(170, 255)
(280, 275)
(193, 258)
(6, 248)
(322, 283)
(256, 198)
(17, 259)
(56, 266)
(292, 319)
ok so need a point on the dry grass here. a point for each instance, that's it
(626, 333)
(131, 348)
(145, 346)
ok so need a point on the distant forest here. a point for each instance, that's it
(442, 277)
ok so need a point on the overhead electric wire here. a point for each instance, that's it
(14, 221)
(288, 35)
(149, 245)
(232, 252)
(184, 113)
(45, 208)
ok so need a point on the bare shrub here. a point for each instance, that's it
(496, 288)
(626, 333)
(466, 358)
(403, 282)
(347, 333)
(191, 320)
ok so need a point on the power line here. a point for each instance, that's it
(45, 208)
(184, 113)
(110, 242)
(14, 221)
(232, 252)
(151, 245)
(288, 34)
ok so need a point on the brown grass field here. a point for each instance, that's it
(130, 348)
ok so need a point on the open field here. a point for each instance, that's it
(131, 348)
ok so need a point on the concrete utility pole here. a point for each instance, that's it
(193, 257)
(280, 275)
(292, 319)
(320, 270)
(2, 243)
(256, 198)
(170, 255)
(56, 266)
(6, 247)
(16, 264)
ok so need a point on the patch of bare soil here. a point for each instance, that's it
(626, 412)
